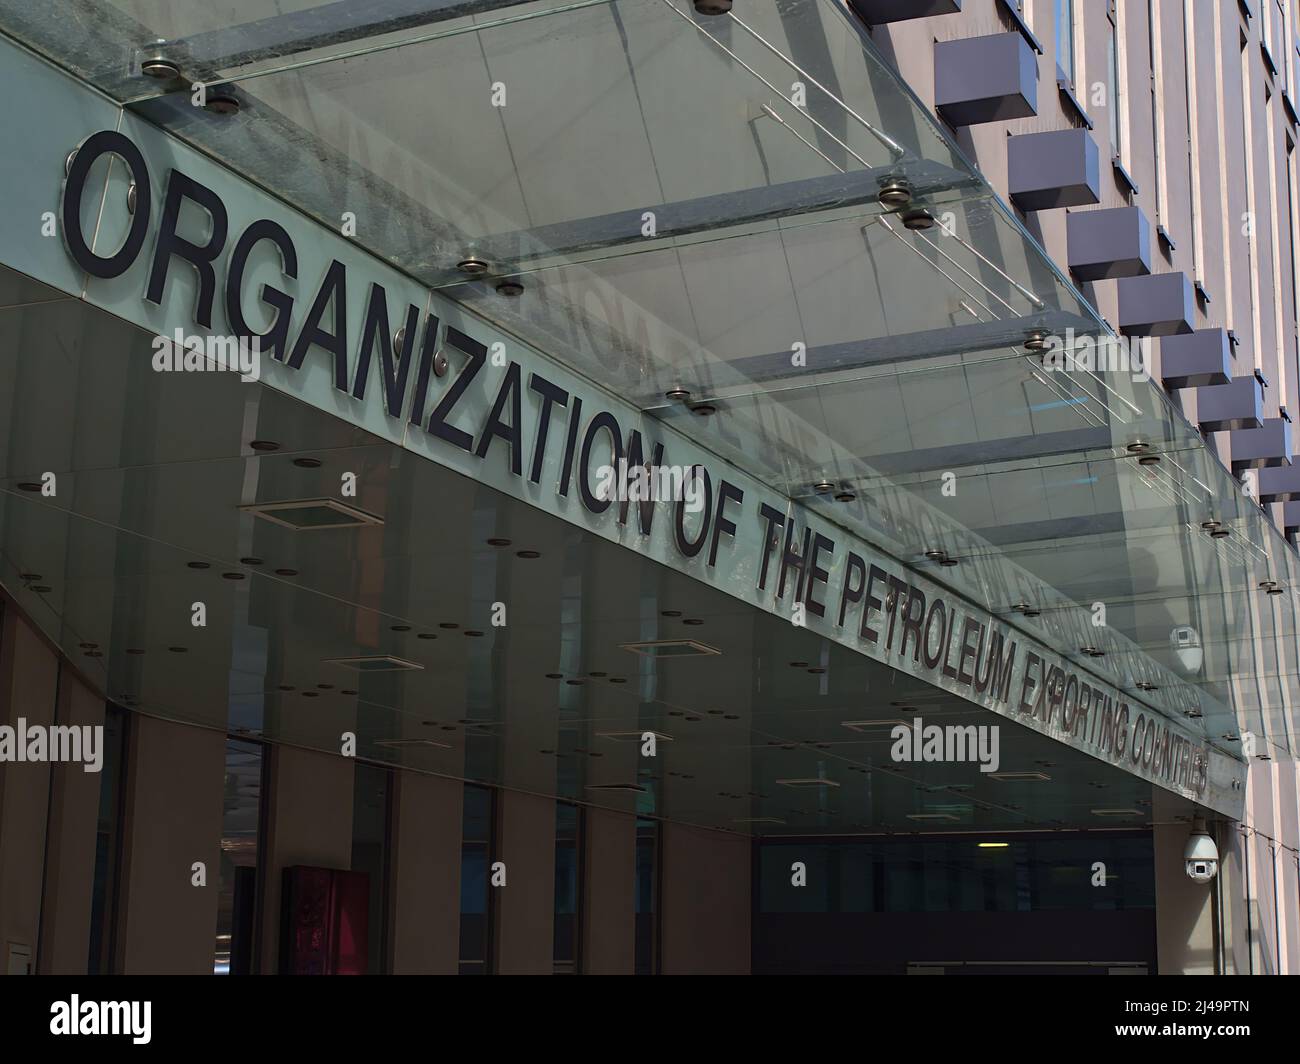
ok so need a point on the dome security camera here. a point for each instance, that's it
(1201, 855)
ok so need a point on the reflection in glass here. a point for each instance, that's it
(966, 874)
(108, 843)
(647, 896)
(477, 840)
(370, 852)
(568, 887)
(237, 886)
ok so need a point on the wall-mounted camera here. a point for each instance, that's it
(1201, 855)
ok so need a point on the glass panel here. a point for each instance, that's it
(237, 892)
(1065, 38)
(108, 842)
(568, 887)
(477, 841)
(370, 811)
(647, 856)
(966, 874)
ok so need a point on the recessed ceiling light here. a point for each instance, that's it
(633, 736)
(426, 635)
(670, 648)
(197, 565)
(375, 663)
(399, 627)
(555, 676)
(473, 633)
(597, 675)
(992, 845)
(286, 572)
(309, 515)
(28, 485)
(812, 781)
(449, 625)
(703, 409)
(670, 613)
(510, 288)
(618, 679)
(528, 554)
(179, 650)
(346, 691)
(264, 445)
(232, 576)
(798, 664)
(307, 463)
(497, 541)
(286, 687)
(326, 686)
(575, 683)
(310, 694)
(250, 561)
(29, 577)
(413, 742)
(94, 654)
(816, 670)
(134, 650)
(1092, 652)
(40, 589)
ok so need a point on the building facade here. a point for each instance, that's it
(642, 487)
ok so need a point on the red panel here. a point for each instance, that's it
(328, 918)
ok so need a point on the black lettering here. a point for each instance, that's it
(438, 426)
(276, 338)
(333, 287)
(512, 433)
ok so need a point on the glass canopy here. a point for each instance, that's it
(694, 203)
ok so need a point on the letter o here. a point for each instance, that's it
(105, 142)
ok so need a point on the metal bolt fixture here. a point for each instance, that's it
(895, 194)
(221, 100)
(1036, 341)
(712, 7)
(159, 68)
(918, 220)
